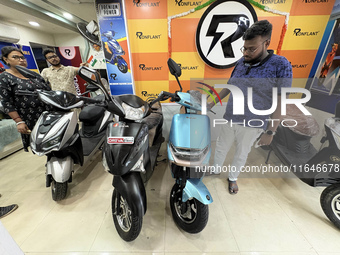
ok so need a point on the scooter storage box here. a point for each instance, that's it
(125, 144)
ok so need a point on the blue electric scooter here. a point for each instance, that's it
(114, 52)
(189, 148)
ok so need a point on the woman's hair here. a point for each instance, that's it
(260, 28)
(5, 51)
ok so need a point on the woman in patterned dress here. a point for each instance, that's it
(23, 109)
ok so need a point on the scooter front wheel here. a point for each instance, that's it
(330, 203)
(128, 224)
(191, 216)
(122, 66)
(59, 190)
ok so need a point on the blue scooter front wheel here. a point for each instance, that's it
(191, 216)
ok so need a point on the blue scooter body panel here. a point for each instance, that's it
(190, 131)
(196, 188)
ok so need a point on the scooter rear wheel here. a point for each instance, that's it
(128, 225)
(59, 190)
(196, 214)
(330, 202)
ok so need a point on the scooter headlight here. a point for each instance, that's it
(55, 140)
(133, 113)
(189, 154)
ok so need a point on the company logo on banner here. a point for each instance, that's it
(143, 67)
(187, 67)
(188, 3)
(220, 30)
(146, 4)
(68, 52)
(109, 10)
(272, 1)
(300, 32)
(315, 1)
(149, 96)
(298, 66)
(142, 36)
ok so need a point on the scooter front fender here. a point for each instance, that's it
(131, 187)
(195, 188)
(60, 168)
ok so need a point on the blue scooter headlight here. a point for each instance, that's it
(189, 154)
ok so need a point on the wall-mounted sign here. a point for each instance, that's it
(220, 30)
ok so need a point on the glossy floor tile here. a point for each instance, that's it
(272, 214)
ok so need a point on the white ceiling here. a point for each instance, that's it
(22, 11)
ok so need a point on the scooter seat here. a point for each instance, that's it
(91, 113)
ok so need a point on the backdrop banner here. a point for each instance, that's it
(114, 37)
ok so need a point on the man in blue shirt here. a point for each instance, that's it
(255, 74)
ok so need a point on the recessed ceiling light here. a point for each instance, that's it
(33, 23)
(68, 16)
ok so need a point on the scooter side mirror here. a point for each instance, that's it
(92, 77)
(174, 68)
(28, 73)
(89, 75)
(91, 88)
(113, 108)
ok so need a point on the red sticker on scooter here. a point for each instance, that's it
(121, 140)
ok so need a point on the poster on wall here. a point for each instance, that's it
(70, 56)
(114, 37)
(324, 82)
(31, 64)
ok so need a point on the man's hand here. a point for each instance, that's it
(210, 105)
(85, 64)
(265, 139)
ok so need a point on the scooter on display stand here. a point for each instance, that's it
(57, 135)
(189, 147)
(315, 168)
(114, 52)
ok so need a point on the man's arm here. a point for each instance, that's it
(81, 64)
(224, 92)
(276, 118)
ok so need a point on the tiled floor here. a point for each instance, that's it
(280, 216)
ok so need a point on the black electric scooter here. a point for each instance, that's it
(315, 168)
(57, 135)
(130, 152)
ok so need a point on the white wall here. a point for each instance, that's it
(28, 35)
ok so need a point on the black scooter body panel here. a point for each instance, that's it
(131, 187)
(122, 157)
(312, 167)
(329, 158)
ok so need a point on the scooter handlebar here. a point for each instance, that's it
(164, 95)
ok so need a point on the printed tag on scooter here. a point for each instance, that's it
(121, 140)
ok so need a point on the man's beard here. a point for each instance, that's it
(254, 60)
(55, 64)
